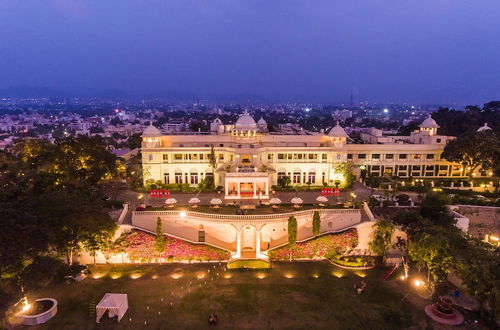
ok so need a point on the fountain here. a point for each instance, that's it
(443, 312)
(38, 312)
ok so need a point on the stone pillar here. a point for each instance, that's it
(239, 192)
(238, 241)
(226, 186)
(257, 248)
(267, 187)
(254, 189)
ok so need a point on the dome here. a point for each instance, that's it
(429, 123)
(245, 123)
(338, 131)
(483, 128)
(151, 131)
(261, 121)
(217, 121)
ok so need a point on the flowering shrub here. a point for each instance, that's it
(332, 244)
(140, 247)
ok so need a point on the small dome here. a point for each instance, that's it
(261, 121)
(217, 121)
(429, 123)
(483, 128)
(338, 131)
(151, 131)
(245, 123)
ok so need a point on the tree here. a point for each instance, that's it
(159, 243)
(478, 266)
(434, 249)
(316, 223)
(212, 159)
(292, 230)
(284, 181)
(381, 238)
(473, 150)
(346, 169)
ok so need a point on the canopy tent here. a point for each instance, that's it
(115, 303)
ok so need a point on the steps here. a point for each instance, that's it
(248, 264)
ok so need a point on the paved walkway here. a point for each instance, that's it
(309, 197)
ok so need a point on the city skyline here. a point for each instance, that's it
(440, 52)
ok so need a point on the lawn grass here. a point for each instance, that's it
(313, 295)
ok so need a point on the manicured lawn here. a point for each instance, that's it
(290, 295)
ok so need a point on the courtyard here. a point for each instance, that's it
(312, 295)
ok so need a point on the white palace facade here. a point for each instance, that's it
(250, 159)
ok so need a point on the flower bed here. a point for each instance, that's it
(140, 247)
(323, 246)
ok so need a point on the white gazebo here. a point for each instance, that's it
(115, 303)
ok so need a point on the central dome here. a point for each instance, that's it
(245, 123)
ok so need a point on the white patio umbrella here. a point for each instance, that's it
(322, 199)
(171, 201)
(297, 200)
(194, 200)
(215, 201)
(275, 201)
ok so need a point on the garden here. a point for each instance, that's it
(140, 247)
(326, 246)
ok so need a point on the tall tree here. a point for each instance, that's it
(381, 237)
(473, 150)
(292, 230)
(159, 239)
(316, 223)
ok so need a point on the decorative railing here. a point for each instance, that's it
(253, 217)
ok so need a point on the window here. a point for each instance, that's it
(202, 156)
(403, 167)
(194, 178)
(429, 168)
(430, 156)
(150, 157)
(417, 157)
(443, 167)
(376, 168)
(438, 140)
(403, 156)
(221, 145)
(349, 156)
(324, 156)
(281, 156)
(375, 156)
(361, 156)
(311, 177)
(166, 178)
(165, 158)
(177, 156)
(289, 156)
(281, 175)
(296, 177)
(178, 178)
(221, 156)
(338, 156)
(323, 177)
(389, 156)
(416, 167)
(270, 157)
(194, 157)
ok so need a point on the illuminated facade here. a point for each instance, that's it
(249, 161)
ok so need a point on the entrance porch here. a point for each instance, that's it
(254, 185)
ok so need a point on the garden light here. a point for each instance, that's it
(228, 275)
(26, 305)
(176, 276)
(135, 276)
(261, 276)
(418, 283)
(289, 275)
(182, 214)
(338, 274)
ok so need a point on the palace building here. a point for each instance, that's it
(247, 160)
